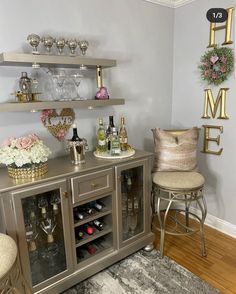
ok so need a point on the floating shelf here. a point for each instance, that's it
(23, 59)
(34, 106)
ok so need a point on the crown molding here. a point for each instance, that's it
(171, 3)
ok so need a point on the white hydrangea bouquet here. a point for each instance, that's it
(26, 154)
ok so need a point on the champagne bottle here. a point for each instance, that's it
(101, 137)
(115, 143)
(75, 134)
(123, 136)
(98, 225)
(109, 132)
(88, 229)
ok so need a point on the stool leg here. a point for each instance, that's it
(186, 212)
(203, 209)
(162, 224)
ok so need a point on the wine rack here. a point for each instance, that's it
(100, 239)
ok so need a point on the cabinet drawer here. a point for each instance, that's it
(93, 184)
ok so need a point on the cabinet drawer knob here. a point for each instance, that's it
(93, 185)
(65, 194)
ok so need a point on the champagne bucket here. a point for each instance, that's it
(77, 151)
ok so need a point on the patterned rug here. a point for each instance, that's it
(144, 273)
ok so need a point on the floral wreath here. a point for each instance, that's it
(217, 64)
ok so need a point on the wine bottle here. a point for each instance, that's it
(101, 138)
(109, 132)
(75, 136)
(89, 210)
(80, 235)
(123, 136)
(79, 254)
(114, 143)
(97, 224)
(91, 249)
(97, 206)
(78, 215)
(88, 229)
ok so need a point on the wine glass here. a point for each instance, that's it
(43, 204)
(31, 236)
(60, 44)
(77, 80)
(133, 220)
(59, 79)
(83, 45)
(54, 201)
(34, 41)
(72, 44)
(48, 43)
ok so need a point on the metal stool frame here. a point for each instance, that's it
(14, 277)
(178, 196)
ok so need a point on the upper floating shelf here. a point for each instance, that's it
(35, 106)
(23, 59)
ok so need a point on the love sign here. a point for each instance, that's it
(58, 124)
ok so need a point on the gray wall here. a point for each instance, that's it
(136, 33)
(191, 37)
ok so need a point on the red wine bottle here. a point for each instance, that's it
(91, 249)
(89, 210)
(97, 224)
(88, 229)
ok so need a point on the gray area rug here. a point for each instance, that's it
(143, 273)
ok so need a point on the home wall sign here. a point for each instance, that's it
(221, 97)
(58, 124)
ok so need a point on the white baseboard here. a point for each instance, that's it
(218, 224)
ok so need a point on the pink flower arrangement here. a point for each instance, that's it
(45, 114)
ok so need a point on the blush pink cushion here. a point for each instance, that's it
(175, 150)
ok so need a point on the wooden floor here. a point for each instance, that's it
(218, 268)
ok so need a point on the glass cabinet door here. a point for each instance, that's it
(43, 230)
(132, 187)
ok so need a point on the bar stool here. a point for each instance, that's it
(177, 192)
(11, 279)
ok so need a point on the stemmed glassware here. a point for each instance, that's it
(43, 204)
(48, 43)
(31, 235)
(60, 44)
(77, 80)
(72, 44)
(54, 201)
(34, 41)
(83, 45)
(59, 79)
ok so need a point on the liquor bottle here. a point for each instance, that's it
(115, 143)
(101, 137)
(75, 136)
(88, 229)
(123, 136)
(91, 249)
(25, 83)
(80, 235)
(109, 132)
(98, 225)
